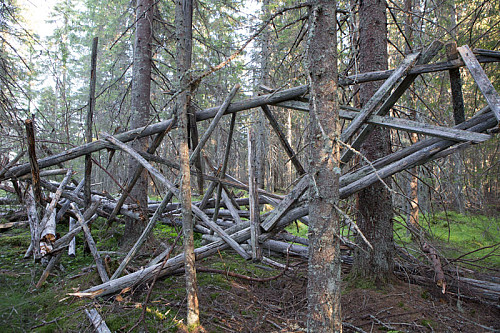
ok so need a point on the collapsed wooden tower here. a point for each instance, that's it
(247, 237)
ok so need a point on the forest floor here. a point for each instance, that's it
(227, 304)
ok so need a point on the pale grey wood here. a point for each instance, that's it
(72, 242)
(370, 107)
(171, 188)
(34, 225)
(386, 106)
(286, 203)
(55, 200)
(481, 79)
(239, 233)
(97, 321)
(422, 128)
(253, 197)
(91, 243)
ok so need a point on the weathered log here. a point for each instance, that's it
(89, 121)
(90, 241)
(436, 264)
(97, 321)
(284, 143)
(177, 262)
(50, 213)
(389, 102)
(477, 72)
(50, 266)
(224, 166)
(286, 204)
(254, 197)
(370, 107)
(34, 225)
(34, 166)
(172, 189)
(72, 242)
(416, 158)
(455, 84)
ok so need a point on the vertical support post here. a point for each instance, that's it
(35, 170)
(254, 198)
(90, 115)
(456, 85)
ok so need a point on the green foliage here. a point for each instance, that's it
(458, 234)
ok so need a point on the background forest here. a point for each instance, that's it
(451, 203)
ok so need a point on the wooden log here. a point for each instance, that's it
(286, 204)
(7, 226)
(97, 321)
(370, 107)
(401, 124)
(137, 173)
(45, 173)
(455, 84)
(89, 216)
(89, 121)
(254, 198)
(90, 241)
(426, 56)
(50, 214)
(422, 128)
(234, 213)
(436, 264)
(34, 225)
(35, 169)
(50, 266)
(157, 128)
(484, 84)
(348, 178)
(224, 165)
(171, 188)
(72, 242)
(417, 158)
(65, 206)
(6, 168)
(142, 239)
(177, 262)
(284, 142)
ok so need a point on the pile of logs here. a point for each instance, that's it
(227, 222)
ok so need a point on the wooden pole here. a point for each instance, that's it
(35, 169)
(254, 199)
(90, 115)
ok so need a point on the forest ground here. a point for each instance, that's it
(227, 304)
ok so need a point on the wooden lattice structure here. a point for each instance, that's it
(246, 237)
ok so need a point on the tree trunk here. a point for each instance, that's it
(374, 216)
(140, 98)
(183, 24)
(324, 250)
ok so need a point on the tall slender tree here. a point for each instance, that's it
(324, 248)
(374, 214)
(140, 99)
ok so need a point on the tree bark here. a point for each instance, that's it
(374, 216)
(183, 24)
(140, 99)
(324, 226)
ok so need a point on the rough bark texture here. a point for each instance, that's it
(324, 250)
(140, 98)
(374, 216)
(183, 23)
